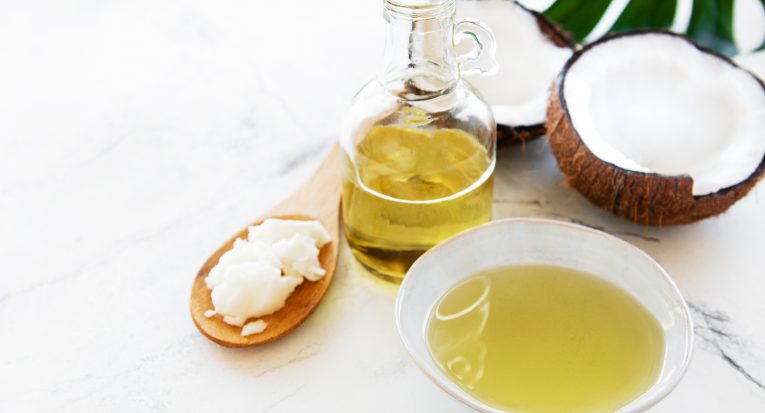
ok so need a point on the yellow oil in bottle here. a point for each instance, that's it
(407, 189)
(540, 339)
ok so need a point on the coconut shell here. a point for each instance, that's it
(508, 135)
(517, 135)
(644, 198)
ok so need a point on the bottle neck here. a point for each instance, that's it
(420, 62)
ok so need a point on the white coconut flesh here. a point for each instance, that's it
(528, 62)
(655, 103)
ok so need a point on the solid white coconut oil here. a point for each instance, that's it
(257, 275)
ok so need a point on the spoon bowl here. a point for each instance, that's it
(318, 199)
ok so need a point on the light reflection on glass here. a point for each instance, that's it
(467, 308)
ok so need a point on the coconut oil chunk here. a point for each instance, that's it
(255, 327)
(275, 230)
(299, 257)
(257, 275)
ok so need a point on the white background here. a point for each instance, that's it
(136, 136)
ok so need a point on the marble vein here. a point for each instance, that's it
(303, 354)
(544, 207)
(715, 329)
(132, 144)
(283, 399)
(631, 234)
(302, 156)
(120, 247)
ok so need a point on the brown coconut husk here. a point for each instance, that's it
(518, 135)
(644, 198)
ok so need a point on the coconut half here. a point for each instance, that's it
(656, 129)
(531, 51)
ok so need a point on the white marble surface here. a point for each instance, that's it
(136, 136)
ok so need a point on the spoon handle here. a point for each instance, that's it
(319, 197)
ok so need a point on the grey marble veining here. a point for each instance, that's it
(135, 137)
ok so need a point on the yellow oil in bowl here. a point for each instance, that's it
(542, 338)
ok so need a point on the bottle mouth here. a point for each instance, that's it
(418, 9)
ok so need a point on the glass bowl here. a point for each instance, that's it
(518, 241)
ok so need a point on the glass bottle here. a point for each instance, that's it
(419, 141)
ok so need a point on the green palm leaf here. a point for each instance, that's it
(646, 15)
(711, 22)
(712, 25)
(762, 46)
(578, 17)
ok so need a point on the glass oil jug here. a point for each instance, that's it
(418, 141)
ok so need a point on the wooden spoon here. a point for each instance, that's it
(318, 199)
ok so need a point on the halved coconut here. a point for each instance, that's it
(531, 50)
(656, 129)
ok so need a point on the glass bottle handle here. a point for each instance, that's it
(481, 59)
